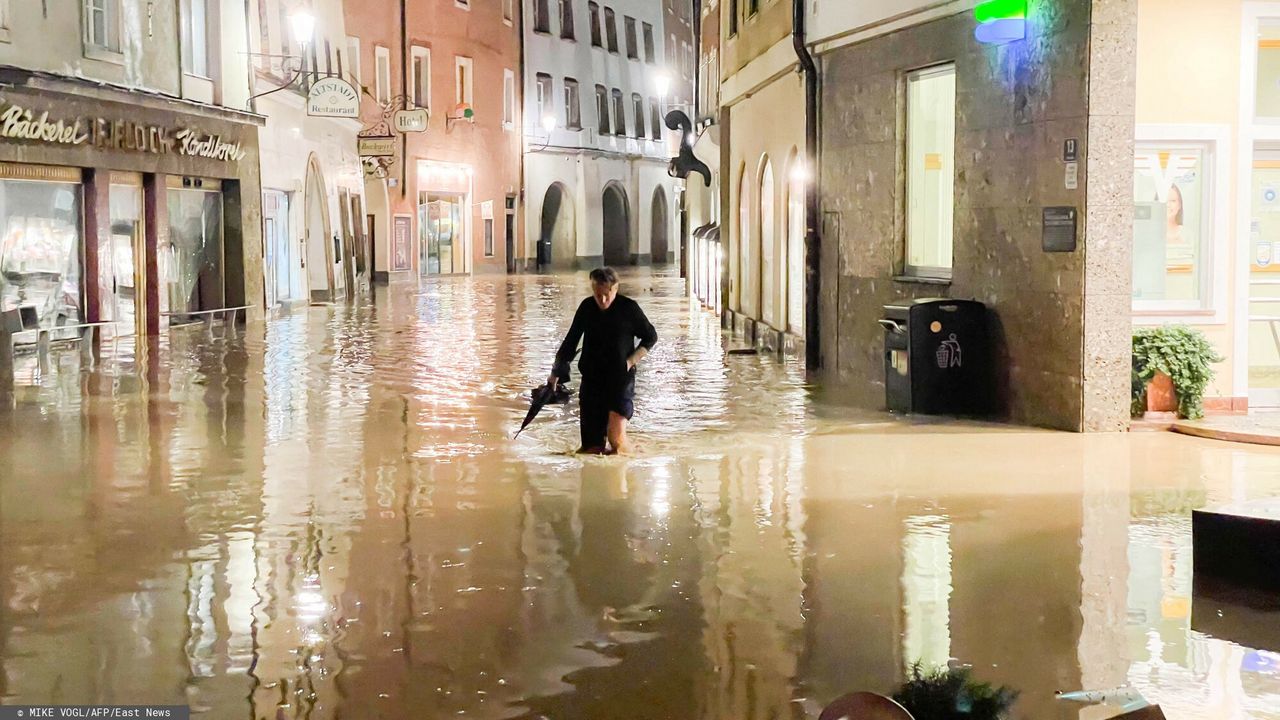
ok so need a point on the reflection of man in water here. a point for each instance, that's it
(608, 325)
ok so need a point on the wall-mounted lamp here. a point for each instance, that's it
(303, 26)
(1001, 21)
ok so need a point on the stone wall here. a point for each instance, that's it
(1016, 106)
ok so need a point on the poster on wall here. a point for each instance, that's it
(400, 243)
(1171, 195)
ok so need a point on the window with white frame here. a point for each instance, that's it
(382, 77)
(421, 77)
(195, 37)
(541, 16)
(648, 43)
(602, 110)
(566, 20)
(637, 108)
(931, 140)
(619, 113)
(1173, 225)
(353, 62)
(508, 99)
(102, 25)
(544, 97)
(508, 10)
(464, 83)
(572, 105)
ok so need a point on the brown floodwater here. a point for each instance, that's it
(325, 516)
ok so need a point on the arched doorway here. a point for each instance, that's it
(558, 239)
(659, 247)
(616, 219)
(319, 252)
(768, 260)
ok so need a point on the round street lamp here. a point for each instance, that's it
(662, 83)
(549, 123)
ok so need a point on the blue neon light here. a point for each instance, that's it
(997, 32)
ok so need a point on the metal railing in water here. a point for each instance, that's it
(89, 338)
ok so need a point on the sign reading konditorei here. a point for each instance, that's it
(333, 97)
(19, 123)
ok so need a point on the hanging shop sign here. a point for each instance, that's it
(411, 121)
(333, 97)
(376, 145)
(1001, 21)
(20, 123)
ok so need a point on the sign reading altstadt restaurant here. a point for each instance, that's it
(20, 123)
(333, 97)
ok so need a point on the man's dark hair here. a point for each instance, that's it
(604, 276)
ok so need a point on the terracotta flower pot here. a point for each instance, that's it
(1162, 399)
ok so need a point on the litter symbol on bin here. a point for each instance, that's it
(949, 353)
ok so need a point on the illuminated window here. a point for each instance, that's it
(931, 137)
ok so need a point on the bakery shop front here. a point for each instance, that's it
(122, 207)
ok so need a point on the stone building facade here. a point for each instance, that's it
(129, 177)
(1061, 319)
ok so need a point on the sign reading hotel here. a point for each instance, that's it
(333, 97)
(410, 121)
(19, 123)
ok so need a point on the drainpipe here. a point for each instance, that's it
(404, 104)
(812, 233)
(522, 209)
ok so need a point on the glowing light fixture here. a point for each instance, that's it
(549, 123)
(1001, 21)
(303, 25)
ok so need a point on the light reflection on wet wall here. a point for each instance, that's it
(325, 516)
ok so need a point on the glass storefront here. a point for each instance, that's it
(118, 272)
(40, 263)
(191, 272)
(1173, 201)
(440, 224)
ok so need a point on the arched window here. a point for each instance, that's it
(741, 290)
(768, 260)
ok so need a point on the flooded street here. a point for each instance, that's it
(326, 517)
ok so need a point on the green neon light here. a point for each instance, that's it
(1000, 10)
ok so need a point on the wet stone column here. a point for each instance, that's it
(1108, 217)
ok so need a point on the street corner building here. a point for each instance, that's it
(597, 78)
(970, 155)
(129, 191)
(439, 137)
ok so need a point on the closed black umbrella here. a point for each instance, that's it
(543, 396)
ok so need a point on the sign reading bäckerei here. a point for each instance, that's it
(20, 123)
(333, 97)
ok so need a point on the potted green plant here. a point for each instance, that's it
(1181, 354)
(951, 693)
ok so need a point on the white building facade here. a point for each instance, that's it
(312, 183)
(596, 182)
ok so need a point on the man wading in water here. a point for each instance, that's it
(608, 326)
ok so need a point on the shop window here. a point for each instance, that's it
(191, 265)
(1172, 226)
(602, 110)
(566, 20)
(637, 106)
(619, 114)
(611, 29)
(931, 131)
(40, 251)
(633, 49)
(648, 44)
(1267, 98)
(541, 16)
(421, 78)
(593, 16)
(382, 81)
(102, 25)
(572, 105)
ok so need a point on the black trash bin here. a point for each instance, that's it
(938, 357)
